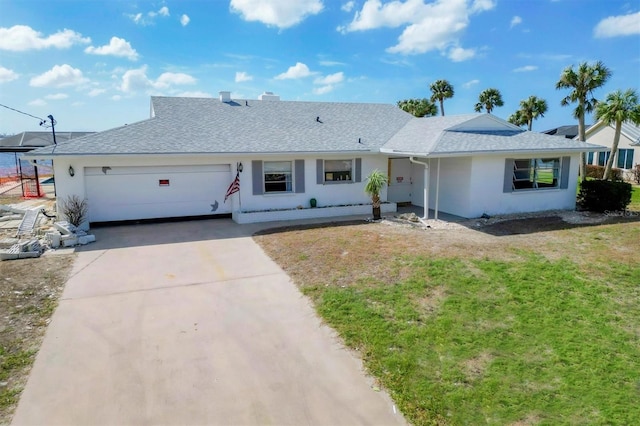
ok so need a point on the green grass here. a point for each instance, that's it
(486, 341)
(635, 198)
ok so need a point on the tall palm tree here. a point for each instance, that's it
(489, 99)
(441, 90)
(375, 182)
(418, 107)
(517, 119)
(617, 108)
(532, 108)
(582, 82)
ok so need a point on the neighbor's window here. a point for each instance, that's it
(603, 157)
(536, 173)
(338, 170)
(590, 157)
(278, 176)
(625, 158)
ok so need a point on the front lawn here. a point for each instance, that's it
(463, 327)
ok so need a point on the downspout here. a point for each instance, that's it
(437, 190)
(426, 186)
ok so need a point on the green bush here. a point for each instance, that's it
(596, 172)
(604, 195)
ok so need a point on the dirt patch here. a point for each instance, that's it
(29, 292)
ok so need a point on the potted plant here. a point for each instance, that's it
(375, 182)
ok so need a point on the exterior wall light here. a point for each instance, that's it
(72, 172)
(239, 167)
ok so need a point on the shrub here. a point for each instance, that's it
(604, 195)
(596, 172)
(635, 173)
(75, 209)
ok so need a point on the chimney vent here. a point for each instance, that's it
(225, 96)
(269, 96)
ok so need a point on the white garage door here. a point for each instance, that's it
(128, 193)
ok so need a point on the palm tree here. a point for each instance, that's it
(617, 108)
(582, 82)
(532, 108)
(419, 107)
(375, 182)
(489, 99)
(441, 90)
(517, 119)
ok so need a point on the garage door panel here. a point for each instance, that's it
(129, 193)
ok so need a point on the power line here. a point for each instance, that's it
(21, 112)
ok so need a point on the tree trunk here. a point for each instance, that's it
(442, 106)
(530, 124)
(614, 150)
(376, 207)
(582, 137)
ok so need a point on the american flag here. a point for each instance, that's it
(233, 188)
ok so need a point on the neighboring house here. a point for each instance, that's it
(182, 160)
(568, 132)
(28, 141)
(628, 154)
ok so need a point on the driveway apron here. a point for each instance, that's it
(191, 323)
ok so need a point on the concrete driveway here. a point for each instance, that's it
(191, 323)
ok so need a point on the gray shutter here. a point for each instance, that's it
(508, 175)
(564, 172)
(319, 172)
(299, 171)
(256, 172)
(358, 173)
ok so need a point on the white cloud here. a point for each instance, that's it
(136, 80)
(470, 83)
(348, 6)
(428, 26)
(330, 79)
(37, 102)
(617, 26)
(7, 75)
(516, 20)
(21, 37)
(184, 20)
(96, 92)
(173, 79)
(59, 76)
(243, 76)
(323, 89)
(57, 96)
(332, 63)
(116, 47)
(458, 54)
(116, 98)
(526, 68)
(279, 13)
(299, 70)
(148, 18)
(196, 94)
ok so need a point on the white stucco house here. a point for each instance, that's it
(182, 160)
(628, 154)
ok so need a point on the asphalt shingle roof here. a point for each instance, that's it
(465, 135)
(27, 141)
(207, 125)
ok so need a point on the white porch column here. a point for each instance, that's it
(437, 190)
(426, 186)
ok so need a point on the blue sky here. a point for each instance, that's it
(94, 64)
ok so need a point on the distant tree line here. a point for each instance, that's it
(582, 80)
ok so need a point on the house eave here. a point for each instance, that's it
(491, 152)
(49, 156)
